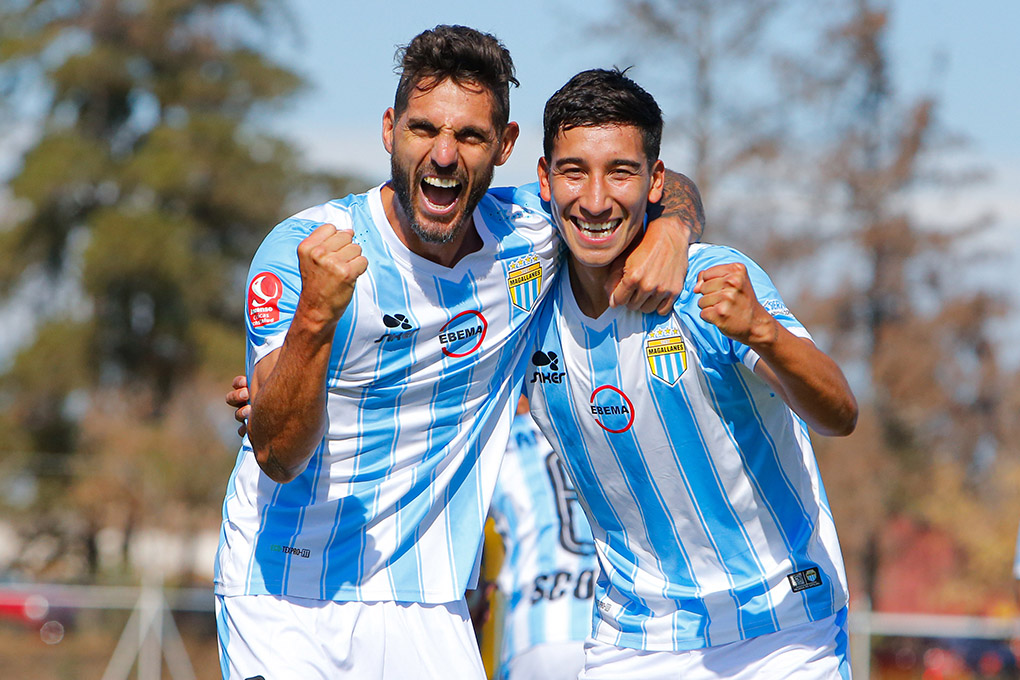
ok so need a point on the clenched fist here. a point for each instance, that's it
(728, 302)
(330, 263)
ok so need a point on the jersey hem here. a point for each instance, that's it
(345, 595)
(634, 640)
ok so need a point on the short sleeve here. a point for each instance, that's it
(705, 256)
(274, 286)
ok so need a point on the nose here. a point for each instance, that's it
(444, 150)
(594, 200)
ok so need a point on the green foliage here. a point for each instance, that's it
(43, 378)
(146, 193)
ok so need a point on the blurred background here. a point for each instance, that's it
(865, 152)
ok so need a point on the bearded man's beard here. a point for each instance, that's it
(402, 189)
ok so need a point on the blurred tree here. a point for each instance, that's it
(819, 136)
(908, 314)
(142, 195)
(904, 313)
(698, 50)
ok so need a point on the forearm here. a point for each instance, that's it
(288, 417)
(679, 208)
(808, 380)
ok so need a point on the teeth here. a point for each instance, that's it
(442, 183)
(597, 227)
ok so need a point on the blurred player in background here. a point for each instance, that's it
(686, 436)
(548, 573)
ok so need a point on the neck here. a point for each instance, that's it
(589, 287)
(448, 254)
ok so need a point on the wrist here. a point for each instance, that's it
(310, 336)
(313, 323)
(764, 332)
(672, 226)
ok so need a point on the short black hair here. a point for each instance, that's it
(603, 97)
(463, 55)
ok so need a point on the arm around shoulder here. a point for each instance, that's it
(653, 274)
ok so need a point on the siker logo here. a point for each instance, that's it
(264, 294)
(463, 334)
(398, 327)
(611, 408)
(550, 359)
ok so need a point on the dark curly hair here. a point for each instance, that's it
(603, 97)
(463, 55)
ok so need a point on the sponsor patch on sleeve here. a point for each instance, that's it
(264, 294)
(776, 307)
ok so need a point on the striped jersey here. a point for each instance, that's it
(707, 508)
(549, 569)
(422, 386)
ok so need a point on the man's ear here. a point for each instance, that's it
(658, 181)
(510, 133)
(389, 123)
(543, 179)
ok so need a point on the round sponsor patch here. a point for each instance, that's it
(612, 409)
(264, 294)
(463, 334)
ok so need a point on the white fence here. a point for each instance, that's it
(151, 636)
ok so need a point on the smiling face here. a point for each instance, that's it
(599, 182)
(443, 149)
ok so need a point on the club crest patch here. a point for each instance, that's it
(264, 294)
(524, 279)
(666, 354)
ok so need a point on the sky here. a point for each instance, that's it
(967, 53)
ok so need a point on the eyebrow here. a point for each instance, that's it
(616, 162)
(467, 129)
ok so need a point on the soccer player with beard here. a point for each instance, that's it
(386, 350)
(686, 435)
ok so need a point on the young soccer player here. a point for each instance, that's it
(686, 436)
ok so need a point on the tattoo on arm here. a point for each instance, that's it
(681, 199)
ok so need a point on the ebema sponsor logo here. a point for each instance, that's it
(463, 334)
(612, 409)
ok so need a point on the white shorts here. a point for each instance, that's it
(278, 638)
(810, 651)
(549, 661)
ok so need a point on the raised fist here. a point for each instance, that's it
(330, 263)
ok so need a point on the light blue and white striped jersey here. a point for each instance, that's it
(549, 570)
(422, 387)
(708, 512)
